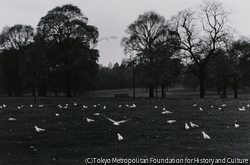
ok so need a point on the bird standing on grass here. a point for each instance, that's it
(90, 120)
(236, 125)
(193, 125)
(205, 135)
(186, 126)
(119, 137)
(39, 129)
(171, 121)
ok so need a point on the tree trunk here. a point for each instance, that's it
(151, 90)
(235, 87)
(162, 91)
(224, 92)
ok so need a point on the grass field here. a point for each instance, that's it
(70, 139)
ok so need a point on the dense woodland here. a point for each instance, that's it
(195, 48)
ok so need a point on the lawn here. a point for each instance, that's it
(70, 139)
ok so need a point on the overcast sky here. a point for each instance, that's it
(112, 17)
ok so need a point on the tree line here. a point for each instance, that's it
(60, 56)
(200, 39)
(196, 47)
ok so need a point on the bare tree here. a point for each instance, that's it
(146, 35)
(201, 33)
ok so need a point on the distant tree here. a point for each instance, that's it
(71, 42)
(13, 42)
(147, 34)
(198, 43)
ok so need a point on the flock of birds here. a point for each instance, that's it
(117, 123)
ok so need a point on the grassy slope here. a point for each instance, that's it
(69, 138)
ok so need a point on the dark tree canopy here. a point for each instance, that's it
(70, 42)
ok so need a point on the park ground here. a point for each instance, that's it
(70, 139)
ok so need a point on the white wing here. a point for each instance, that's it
(111, 120)
(122, 121)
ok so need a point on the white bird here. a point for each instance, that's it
(194, 105)
(104, 107)
(247, 105)
(193, 125)
(31, 105)
(171, 121)
(212, 106)
(120, 106)
(11, 119)
(84, 106)
(201, 109)
(186, 126)
(57, 114)
(117, 122)
(223, 105)
(156, 106)
(242, 109)
(132, 106)
(90, 120)
(94, 105)
(39, 129)
(4, 105)
(219, 108)
(96, 114)
(236, 125)
(166, 112)
(40, 106)
(119, 137)
(205, 135)
(75, 103)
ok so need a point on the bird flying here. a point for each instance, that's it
(166, 112)
(242, 109)
(236, 125)
(117, 122)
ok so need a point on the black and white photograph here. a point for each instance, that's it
(124, 82)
